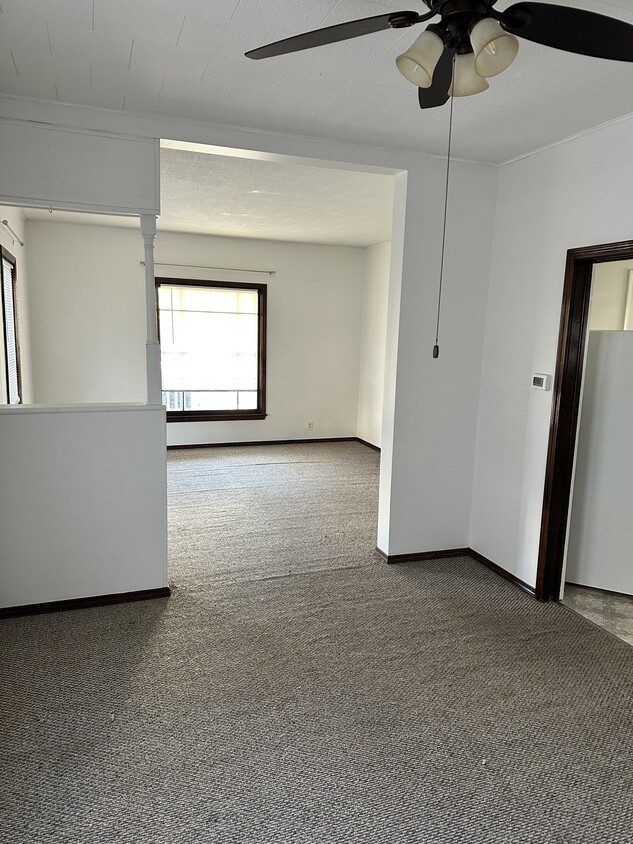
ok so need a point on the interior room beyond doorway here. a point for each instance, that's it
(599, 567)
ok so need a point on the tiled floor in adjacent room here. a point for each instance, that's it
(610, 610)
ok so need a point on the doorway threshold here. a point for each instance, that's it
(612, 611)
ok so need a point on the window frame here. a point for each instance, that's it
(226, 415)
(7, 256)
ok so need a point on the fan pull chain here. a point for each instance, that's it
(436, 347)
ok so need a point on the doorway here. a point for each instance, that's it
(565, 435)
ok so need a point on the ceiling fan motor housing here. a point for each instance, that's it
(448, 8)
(458, 19)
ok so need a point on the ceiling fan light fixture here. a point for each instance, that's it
(466, 80)
(418, 63)
(494, 48)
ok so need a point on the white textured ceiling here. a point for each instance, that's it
(184, 58)
(278, 201)
(243, 197)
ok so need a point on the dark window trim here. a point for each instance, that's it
(4, 253)
(223, 415)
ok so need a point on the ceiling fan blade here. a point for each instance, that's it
(574, 30)
(339, 32)
(437, 94)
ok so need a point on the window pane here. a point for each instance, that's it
(172, 400)
(246, 329)
(203, 299)
(222, 300)
(247, 401)
(195, 372)
(208, 332)
(211, 401)
(246, 371)
(164, 296)
(248, 302)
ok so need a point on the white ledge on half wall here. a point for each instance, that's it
(77, 408)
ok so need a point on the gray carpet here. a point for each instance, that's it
(257, 512)
(347, 702)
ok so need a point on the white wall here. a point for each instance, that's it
(87, 308)
(373, 342)
(433, 421)
(572, 195)
(88, 315)
(601, 528)
(313, 333)
(609, 295)
(430, 407)
(82, 502)
(15, 218)
(83, 507)
(49, 166)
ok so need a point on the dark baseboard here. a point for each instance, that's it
(459, 552)
(423, 555)
(369, 445)
(84, 603)
(276, 442)
(506, 575)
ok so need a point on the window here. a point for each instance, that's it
(11, 347)
(213, 349)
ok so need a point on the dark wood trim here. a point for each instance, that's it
(210, 282)
(457, 552)
(392, 559)
(4, 253)
(223, 415)
(506, 575)
(211, 416)
(566, 409)
(369, 445)
(261, 347)
(266, 442)
(84, 603)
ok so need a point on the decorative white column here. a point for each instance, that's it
(152, 346)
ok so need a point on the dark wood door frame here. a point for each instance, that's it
(566, 409)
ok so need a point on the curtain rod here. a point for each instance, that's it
(199, 267)
(5, 223)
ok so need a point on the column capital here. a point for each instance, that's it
(148, 226)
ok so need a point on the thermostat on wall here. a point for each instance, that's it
(541, 381)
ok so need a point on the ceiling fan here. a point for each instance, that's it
(473, 41)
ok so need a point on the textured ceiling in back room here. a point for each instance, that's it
(185, 58)
(243, 197)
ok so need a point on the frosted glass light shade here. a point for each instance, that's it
(466, 80)
(419, 61)
(493, 47)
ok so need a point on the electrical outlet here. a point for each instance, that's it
(310, 426)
